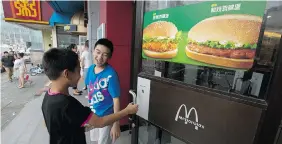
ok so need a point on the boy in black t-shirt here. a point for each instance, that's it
(65, 117)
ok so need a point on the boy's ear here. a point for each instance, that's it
(65, 73)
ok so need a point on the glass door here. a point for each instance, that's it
(252, 86)
(144, 132)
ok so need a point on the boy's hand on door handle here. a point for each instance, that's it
(132, 108)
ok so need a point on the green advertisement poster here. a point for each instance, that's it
(216, 34)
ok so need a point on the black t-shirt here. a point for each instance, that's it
(8, 61)
(64, 117)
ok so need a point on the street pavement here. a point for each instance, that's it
(14, 99)
(22, 120)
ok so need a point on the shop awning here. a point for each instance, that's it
(64, 10)
(58, 18)
(70, 7)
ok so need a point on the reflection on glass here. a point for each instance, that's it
(249, 83)
(148, 66)
(168, 139)
(271, 38)
(64, 39)
(149, 134)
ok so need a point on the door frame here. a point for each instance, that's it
(273, 115)
(136, 56)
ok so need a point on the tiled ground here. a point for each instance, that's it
(13, 99)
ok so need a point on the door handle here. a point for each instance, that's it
(134, 96)
(132, 117)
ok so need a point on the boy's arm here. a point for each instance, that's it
(115, 131)
(114, 90)
(116, 108)
(100, 122)
(78, 115)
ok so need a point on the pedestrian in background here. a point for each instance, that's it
(73, 47)
(85, 60)
(16, 67)
(22, 69)
(8, 63)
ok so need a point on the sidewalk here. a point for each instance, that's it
(28, 126)
(13, 100)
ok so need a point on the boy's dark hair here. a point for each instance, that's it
(5, 52)
(21, 55)
(107, 43)
(71, 46)
(87, 43)
(55, 61)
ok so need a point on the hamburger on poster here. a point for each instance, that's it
(160, 40)
(226, 40)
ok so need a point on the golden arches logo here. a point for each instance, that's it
(187, 119)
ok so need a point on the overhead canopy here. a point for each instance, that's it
(64, 10)
(70, 7)
(58, 18)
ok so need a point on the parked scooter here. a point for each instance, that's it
(36, 70)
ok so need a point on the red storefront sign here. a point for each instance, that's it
(27, 11)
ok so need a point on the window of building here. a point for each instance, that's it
(252, 83)
(82, 40)
(64, 39)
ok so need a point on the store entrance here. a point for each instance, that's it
(255, 103)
